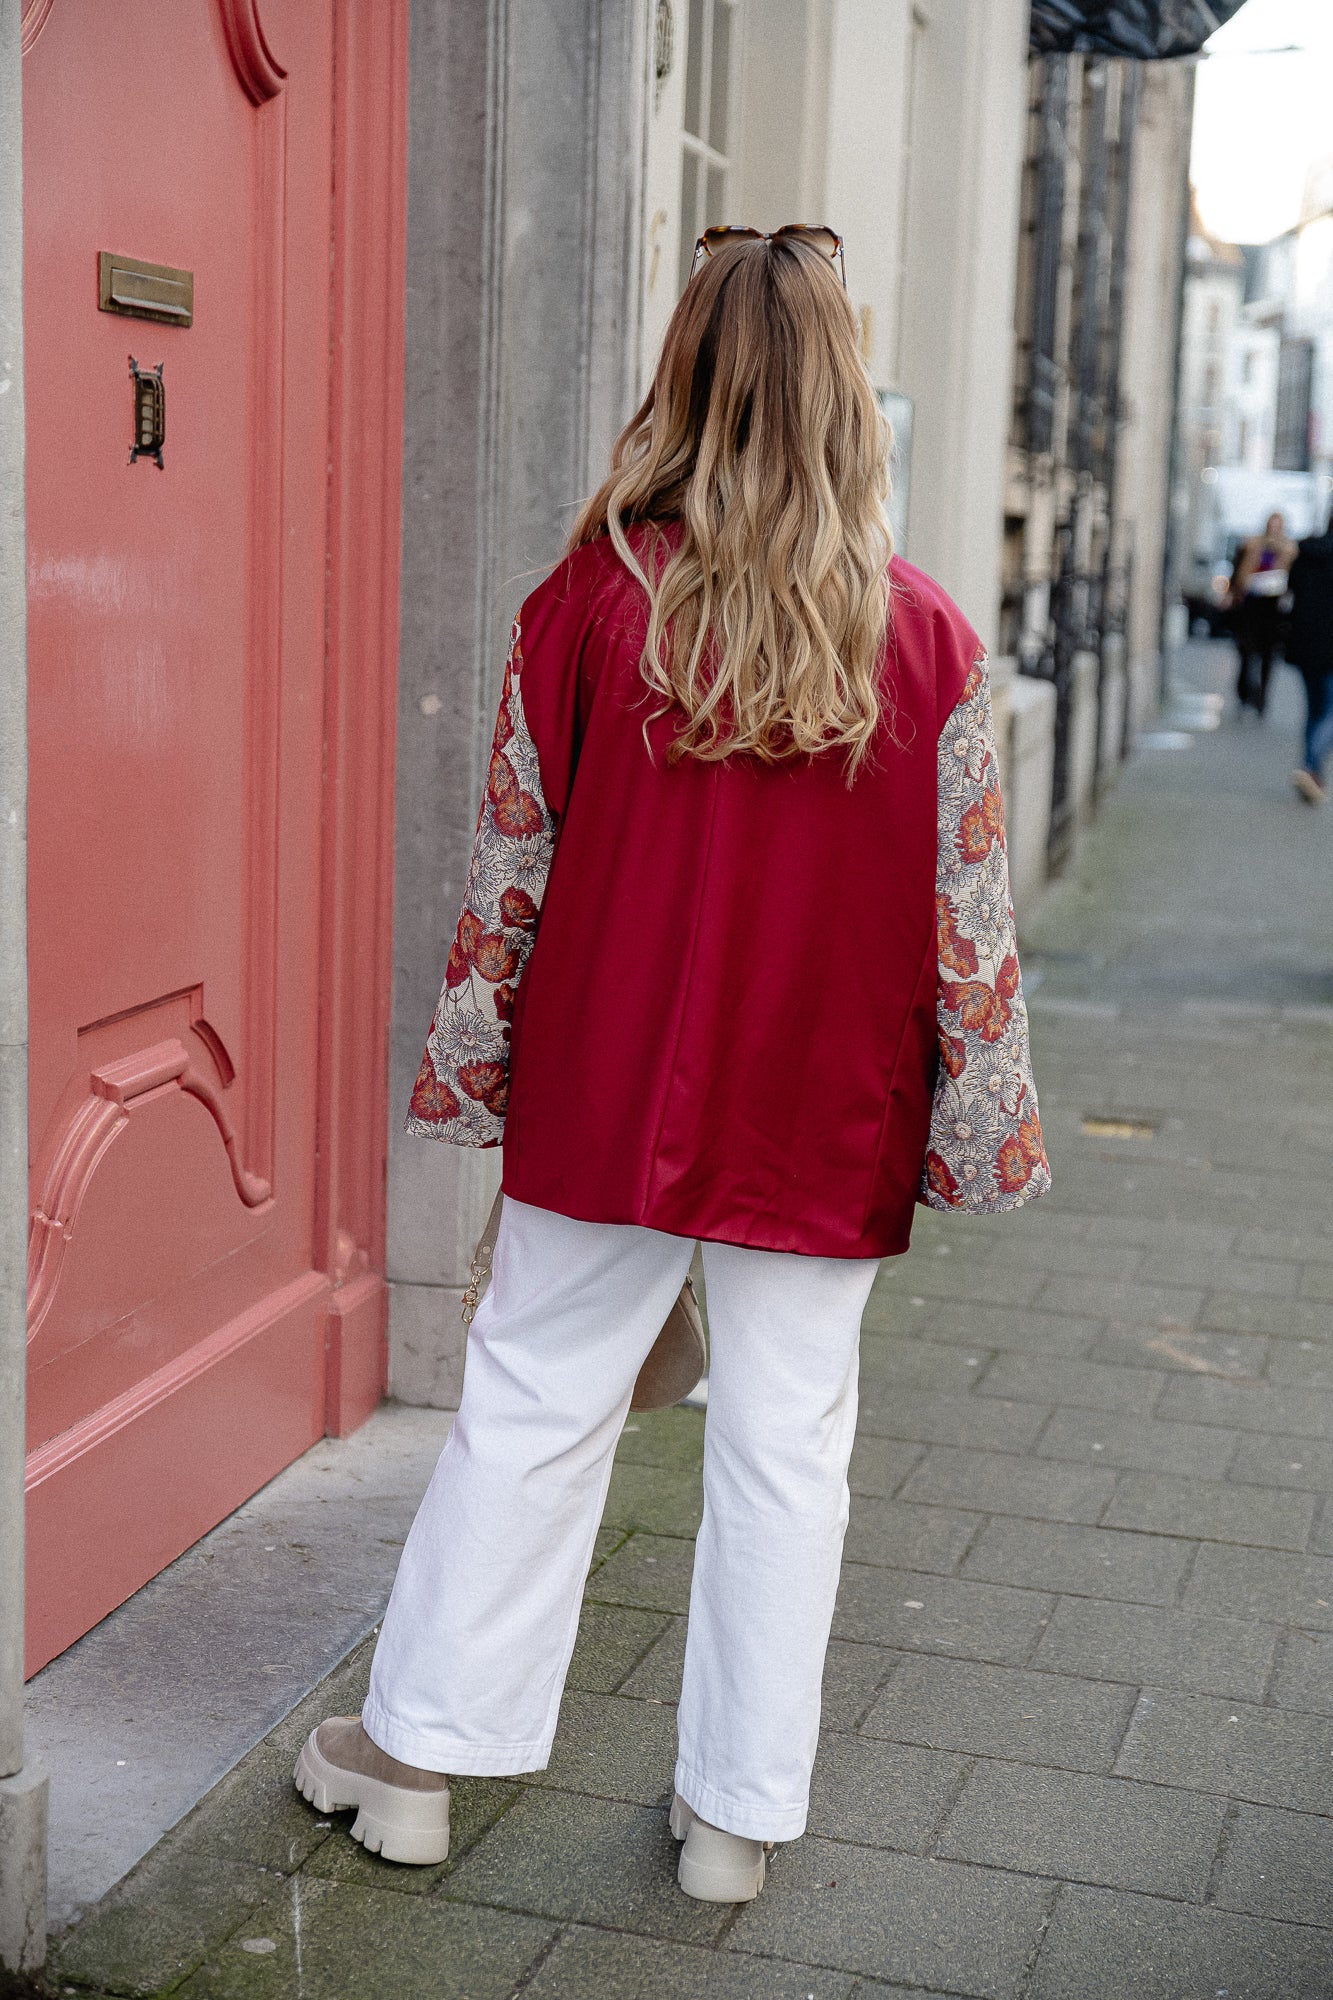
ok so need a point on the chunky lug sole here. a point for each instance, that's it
(411, 1827)
(715, 1866)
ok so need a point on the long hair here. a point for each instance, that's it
(762, 439)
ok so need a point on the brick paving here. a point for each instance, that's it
(1079, 1714)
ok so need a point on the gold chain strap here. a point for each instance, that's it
(480, 1268)
(477, 1274)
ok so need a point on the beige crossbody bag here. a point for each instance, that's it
(678, 1356)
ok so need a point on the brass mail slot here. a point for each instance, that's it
(144, 291)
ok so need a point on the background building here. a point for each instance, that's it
(1255, 418)
(1099, 262)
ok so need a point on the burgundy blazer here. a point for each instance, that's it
(737, 1001)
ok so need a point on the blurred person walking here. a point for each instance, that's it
(1310, 651)
(1258, 586)
(736, 965)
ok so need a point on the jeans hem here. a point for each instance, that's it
(750, 1821)
(434, 1750)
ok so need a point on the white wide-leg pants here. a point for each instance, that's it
(475, 1646)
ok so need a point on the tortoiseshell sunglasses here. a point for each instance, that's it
(826, 241)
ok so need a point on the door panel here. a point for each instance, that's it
(177, 663)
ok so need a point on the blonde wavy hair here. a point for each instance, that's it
(762, 437)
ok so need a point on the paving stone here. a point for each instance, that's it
(1184, 1350)
(657, 1676)
(157, 1925)
(1045, 1719)
(1074, 1258)
(956, 1420)
(895, 1310)
(653, 1497)
(1125, 1300)
(880, 1465)
(902, 1537)
(1317, 1282)
(1210, 1510)
(1304, 1674)
(1091, 1562)
(256, 1814)
(673, 1439)
(919, 1364)
(1145, 1948)
(973, 1277)
(1294, 1410)
(1087, 1385)
(1158, 1648)
(881, 1794)
(1086, 1829)
(612, 1640)
(1308, 1361)
(586, 1860)
(853, 1676)
(613, 1747)
(1025, 1330)
(605, 1543)
(898, 1917)
(651, 1572)
(1276, 1864)
(1303, 1464)
(996, 1484)
(1266, 1755)
(1246, 1312)
(475, 1804)
(1094, 1436)
(937, 1614)
(1294, 1246)
(587, 1963)
(1220, 1274)
(872, 1989)
(331, 1940)
(1321, 1534)
(1264, 1583)
(1153, 1232)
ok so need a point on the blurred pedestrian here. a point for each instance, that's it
(1258, 586)
(736, 965)
(1310, 651)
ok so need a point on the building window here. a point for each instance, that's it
(710, 49)
(1295, 383)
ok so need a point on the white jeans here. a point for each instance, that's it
(472, 1659)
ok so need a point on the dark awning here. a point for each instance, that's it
(1148, 29)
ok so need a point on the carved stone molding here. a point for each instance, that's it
(261, 75)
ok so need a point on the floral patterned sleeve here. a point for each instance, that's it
(462, 1087)
(985, 1148)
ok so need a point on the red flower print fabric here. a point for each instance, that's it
(462, 1088)
(985, 1150)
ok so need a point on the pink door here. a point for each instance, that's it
(194, 1268)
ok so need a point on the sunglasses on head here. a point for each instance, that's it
(826, 241)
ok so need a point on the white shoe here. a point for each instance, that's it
(1309, 788)
(715, 1866)
(401, 1812)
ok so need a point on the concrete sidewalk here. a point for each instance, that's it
(1079, 1716)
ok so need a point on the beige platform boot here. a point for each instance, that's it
(402, 1813)
(716, 1866)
